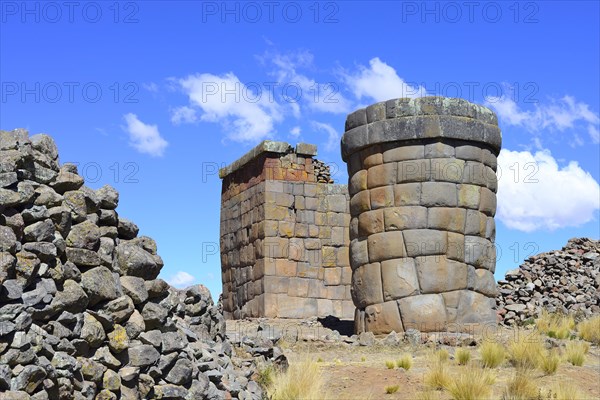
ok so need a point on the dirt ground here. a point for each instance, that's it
(359, 372)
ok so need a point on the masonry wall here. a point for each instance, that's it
(284, 236)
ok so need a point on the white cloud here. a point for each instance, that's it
(534, 192)
(318, 96)
(380, 82)
(248, 115)
(295, 132)
(333, 137)
(144, 138)
(181, 279)
(151, 87)
(559, 114)
(183, 114)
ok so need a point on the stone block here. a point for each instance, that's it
(286, 228)
(366, 285)
(413, 171)
(343, 258)
(400, 218)
(476, 223)
(375, 112)
(489, 159)
(359, 254)
(479, 252)
(482, 281)
(311, 203)
(338, 203)
(285, 267)
(338, 236)
(426, 313)
(491, 180)
(468, 196)
(399, 278)
(371, 156)
(324, 307)
(438, 150)
(370, 222)
(317, 289)
(269, 305)
(439, 194)
(310, 189)
(381, 175)
(386, 245)
(438, 274)
(358, 182)
(275, 284)
(468, 152)
(475, 309)
(333, 276)
(346, 276)
(382, 197)
(424, 242)
(298, 287)
(396, 152)
(487, 204)
(299, 202)
(444, 218)
(447, 169)
(295, 307)
(408, 194)
(456, 246)
(337, 292)
(490, 229)
(360, 202)
(451, 299)
(383, 318)
(474, 173)
(328, 256)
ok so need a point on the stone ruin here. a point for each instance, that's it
(284, 236)
(422, 185)
(419, 225)
(83, 314)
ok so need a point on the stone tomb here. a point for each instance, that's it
(284, 236)
(422, 185)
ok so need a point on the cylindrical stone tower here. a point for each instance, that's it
(422, 181)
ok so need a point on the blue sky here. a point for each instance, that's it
(153, 97)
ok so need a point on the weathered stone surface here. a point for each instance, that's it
(180, 373)
(438, 274)
(8, 240)
(67, 179)
(135, 288)
(92, 331)
(366, 285)
(135, 261)
(99, 284)
(426, 313)
(383, 318)
(29, 379)
(42, 231)
(85, 235)
(142, 355)
(399, 278)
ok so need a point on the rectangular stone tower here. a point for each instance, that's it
(284, 236)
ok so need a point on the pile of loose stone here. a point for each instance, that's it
(558, 281)
(322, 172)
(82, 313)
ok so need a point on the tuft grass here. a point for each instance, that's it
(521, 387)
(363, 359)
(563, 391)
(390, 364)
(319, 360)
(265, 376)
(404, 362)
(428, 395)
(392, 389)
(590, 329)
(471, 384)
(549, 362)
(575, 352)
(463, 356)
(437, 377)
(492, 354)
(302, 380)
(526, 350)
(442, 355)
(555, 325)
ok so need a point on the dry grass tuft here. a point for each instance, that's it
(405, 361)
(521, 387)
(550, 361)
(392, 389)
(302, 380)
(463, 356)
(471, 384)
(442, 355)
(428, 395)
(437, 377)
(555, 325)
(590, 329)
(526, 349)
(575, 352)
(492, 354)
(563, 391)
(265, 376)
(390, 364)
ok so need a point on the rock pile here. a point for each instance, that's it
(82, 313)
(322, 172)
(558, 281)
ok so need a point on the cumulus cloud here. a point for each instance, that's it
(559, 114)
(246, 113)
(333, 137)
(181, 279)
(534, 192)
(295, 132)
(380, 82)
(183, 114)
(143, 137)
